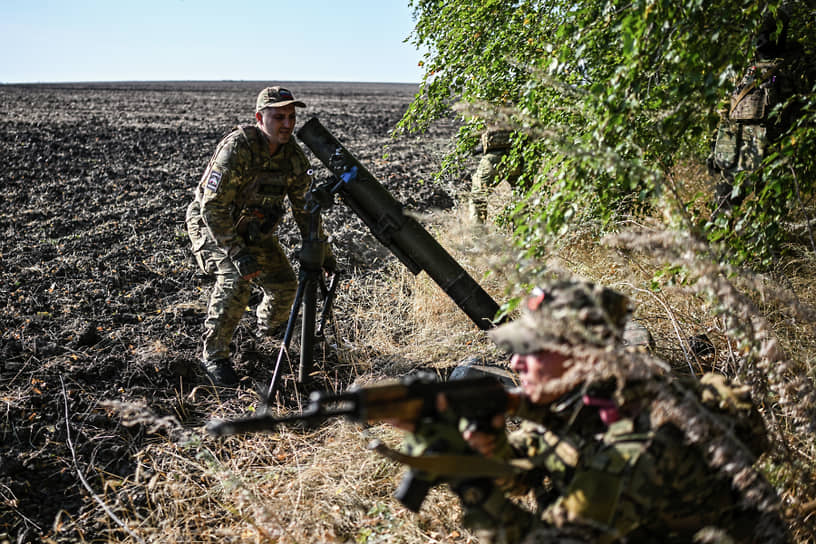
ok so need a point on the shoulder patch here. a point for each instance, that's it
(213, 181)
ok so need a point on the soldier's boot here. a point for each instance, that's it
(220, 372)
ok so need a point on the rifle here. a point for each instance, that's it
(413, 399)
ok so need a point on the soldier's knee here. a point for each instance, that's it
(286, 295)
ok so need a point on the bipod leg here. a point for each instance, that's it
(328, 299)
(307, 339)
(287, 338)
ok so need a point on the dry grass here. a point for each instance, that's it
(323, 485)
(317, 486)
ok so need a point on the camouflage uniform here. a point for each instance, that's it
(750, 124)
(625, 478)
(745, 132)
(611, 459)
(237, 206)
(495, 144)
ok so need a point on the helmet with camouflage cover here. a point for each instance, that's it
(567, 312)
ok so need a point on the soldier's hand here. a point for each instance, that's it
(330, 263)
(486, 441)
(247, 265)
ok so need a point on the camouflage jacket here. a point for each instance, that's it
(765, 103)
(601, 462)
(244, 184)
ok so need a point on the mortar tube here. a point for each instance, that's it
(401, 234)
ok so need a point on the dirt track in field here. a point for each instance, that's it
(100, 298)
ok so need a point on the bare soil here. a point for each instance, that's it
(101, 301)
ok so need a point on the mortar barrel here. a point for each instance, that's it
(400, 233)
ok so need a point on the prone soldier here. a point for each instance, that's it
(612, 445)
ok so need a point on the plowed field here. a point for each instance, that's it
(100, 299)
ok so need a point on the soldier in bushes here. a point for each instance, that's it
(613, 447)
(494, 145)
(760, 109)
(232, 223)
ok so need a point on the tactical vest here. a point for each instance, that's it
(745, 123)
(268, 186)
(757, 93)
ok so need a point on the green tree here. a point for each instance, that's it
(613, 95)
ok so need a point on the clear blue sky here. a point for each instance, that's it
(149, 40)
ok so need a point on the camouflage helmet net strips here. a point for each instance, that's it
(585, 322)
(571, 313)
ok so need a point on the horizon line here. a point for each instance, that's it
(284, 81)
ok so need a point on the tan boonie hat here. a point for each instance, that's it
(276, 97)
(566, 312)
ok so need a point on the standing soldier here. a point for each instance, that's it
(495, 144)
(753, 119)
(232, 225)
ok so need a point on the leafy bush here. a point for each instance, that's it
(612, 96)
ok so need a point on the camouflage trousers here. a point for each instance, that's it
(738, 148)
(230, 294)
(484, 179)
